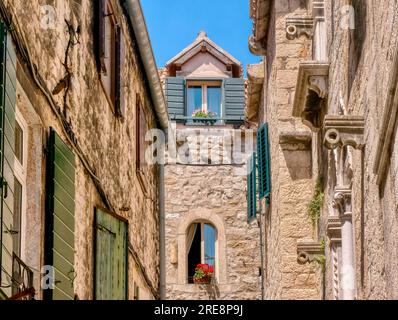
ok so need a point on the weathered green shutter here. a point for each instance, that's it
(60, 217)
(110, 257)
(8, 80)
(175, 97)
(264, 165)
(251, 188)
(234, 99)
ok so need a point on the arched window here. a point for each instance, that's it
(201, 246)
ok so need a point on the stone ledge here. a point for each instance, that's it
(307, 250)
(346, 130)
(311, 87)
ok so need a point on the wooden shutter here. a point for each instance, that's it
(99, 33)
(234, 99)
(110, 257)
(264, 163)
(175, 97)
(60, 217)
(8, 80)
(118, 75)
(251, 188)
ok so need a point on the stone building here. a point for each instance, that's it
(78, 199)
(328, 90)
(205, 177)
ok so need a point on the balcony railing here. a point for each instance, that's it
(206, 121)
(22, 280)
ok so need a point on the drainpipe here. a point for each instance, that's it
(162, 227)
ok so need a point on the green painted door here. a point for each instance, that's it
(60, 218)
(8, 81)
(110, 257)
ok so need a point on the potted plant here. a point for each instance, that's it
(208, 118)
(203, 274)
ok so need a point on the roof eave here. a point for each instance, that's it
(260, 13)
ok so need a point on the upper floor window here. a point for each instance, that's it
(223, 98)
(110, 54)
(204, 96)
(141, 130)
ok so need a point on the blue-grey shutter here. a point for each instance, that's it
(110, 257)
(251, 188)
(175, 97)
(234, 99)
(8, 79)
(264, 163)
(60, 217)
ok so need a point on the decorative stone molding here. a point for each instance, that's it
(197, 216)
(173, 254)
(342, 200)
(297, 26)
(311, 89)
(260, 13)
(257, 47)
(300, 140)
(343, 131)
(308, 250)
(318, 10)
(333, 228)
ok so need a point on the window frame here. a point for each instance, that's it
(202, 247)
(113, 93)
(205, 84)
(20, 173)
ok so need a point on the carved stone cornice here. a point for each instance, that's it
(297, 26)
(257, 47)
(295, 140)
(342, 200)
(333, 228)
(343, 131)
(260, 13)
(318, 10)
(311, 89)
(308, 250)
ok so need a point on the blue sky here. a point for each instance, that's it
(174, 24)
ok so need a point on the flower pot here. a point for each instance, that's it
(199, 120)
(204, 280)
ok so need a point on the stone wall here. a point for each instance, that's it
(293, 169)
(362, 63)
(107, 142)
(215, 194)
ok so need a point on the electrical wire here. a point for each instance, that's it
(25, 52)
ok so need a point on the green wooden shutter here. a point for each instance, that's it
(234, 99)
(8, 80)
(110, 257)
(251, 188)
(175, 97)
(60, 217)
(264, 163)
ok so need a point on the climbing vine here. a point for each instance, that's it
(315, 206)
(321, 258)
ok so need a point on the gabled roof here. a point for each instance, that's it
(204, 44)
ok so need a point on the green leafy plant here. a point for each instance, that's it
(321, 260)
(315, 206)
(209, 118)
